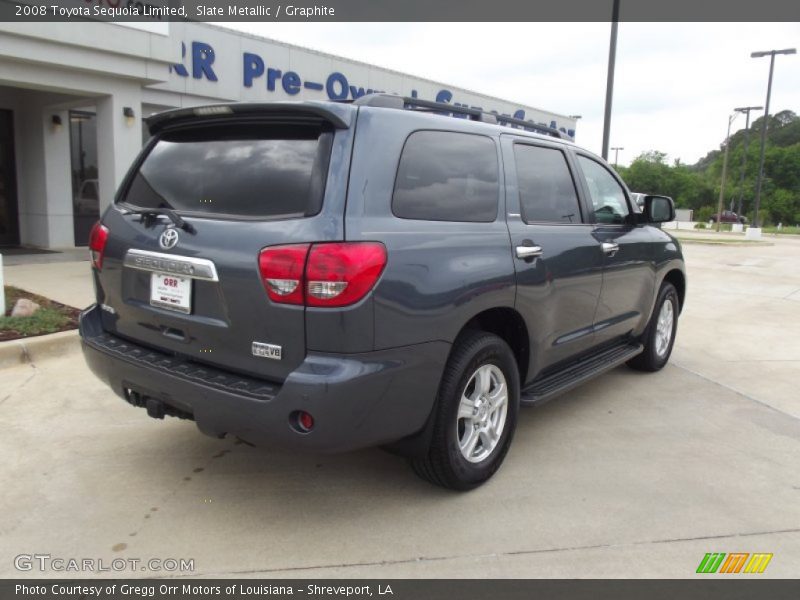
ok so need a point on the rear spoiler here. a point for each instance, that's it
(338, 115)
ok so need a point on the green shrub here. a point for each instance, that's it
(704, 213)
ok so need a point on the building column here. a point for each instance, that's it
(58, 179)
(44, 184)
(118, 140)
(30, 138)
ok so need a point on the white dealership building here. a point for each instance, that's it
(73, 96)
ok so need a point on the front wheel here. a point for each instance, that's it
(659, 337)
(476, 413)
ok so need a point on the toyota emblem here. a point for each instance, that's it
(168, 239)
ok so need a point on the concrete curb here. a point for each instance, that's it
(684, 240)
(34, 349)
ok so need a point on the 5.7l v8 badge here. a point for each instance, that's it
(266, 350)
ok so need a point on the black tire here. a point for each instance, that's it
(444, 464)
(651, 359)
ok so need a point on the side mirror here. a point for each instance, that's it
(659, 209)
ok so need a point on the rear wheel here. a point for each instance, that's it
(476, 414)
(659, 336)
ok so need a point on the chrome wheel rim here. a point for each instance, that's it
(482, 413)
(666, 318)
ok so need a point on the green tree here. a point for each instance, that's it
(650, 173)
(697, 186)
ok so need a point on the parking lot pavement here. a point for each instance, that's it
(631, 475)
(743, 309)
(68, 282)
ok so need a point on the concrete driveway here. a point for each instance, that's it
(632, 475)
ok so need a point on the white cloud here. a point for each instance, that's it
(675, 85)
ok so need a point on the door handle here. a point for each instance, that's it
(610, 247)
(529, 251)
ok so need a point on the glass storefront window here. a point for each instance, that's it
(85, 189)
(9, 230)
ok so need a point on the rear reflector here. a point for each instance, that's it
(326, 275)
(97, 244)
(301, 421)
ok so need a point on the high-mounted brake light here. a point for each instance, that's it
(327, 275)
(204, 111)
(97, 244)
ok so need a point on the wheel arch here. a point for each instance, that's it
(678, 280)
(507, 324)
(502, 321)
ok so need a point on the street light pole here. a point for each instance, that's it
(724, 171)
(746, 110)
(616, 154)
(771, 54)
(612, 57)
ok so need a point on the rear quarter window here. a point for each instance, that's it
(447, 176)
(252, 171)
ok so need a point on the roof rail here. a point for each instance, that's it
(535, 127)
(475, 114)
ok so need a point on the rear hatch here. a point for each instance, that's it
(221, 185)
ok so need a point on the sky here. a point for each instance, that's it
(675, 85)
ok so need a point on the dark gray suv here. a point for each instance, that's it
(330, 276)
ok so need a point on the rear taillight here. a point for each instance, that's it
(328, 275)
(97, 244)
(342, 274)
(282, 272)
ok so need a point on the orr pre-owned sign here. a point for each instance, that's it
(316, 76)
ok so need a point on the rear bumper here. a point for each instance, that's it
(357, 400)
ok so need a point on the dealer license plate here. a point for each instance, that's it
(171, 291)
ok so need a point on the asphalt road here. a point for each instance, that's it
(632, 475)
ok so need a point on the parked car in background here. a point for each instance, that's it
(87, 200)
(728, 216)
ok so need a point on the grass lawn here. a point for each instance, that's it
(786, 230)
(50, 318)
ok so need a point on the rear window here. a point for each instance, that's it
(446, 176)
(252, 171)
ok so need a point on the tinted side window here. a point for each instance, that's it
(446, 176)
(608, 197)
(546, 190)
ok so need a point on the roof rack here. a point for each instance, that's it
(475, 114)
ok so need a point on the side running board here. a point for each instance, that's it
(574, 375)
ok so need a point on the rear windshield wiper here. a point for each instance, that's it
(171, 214)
